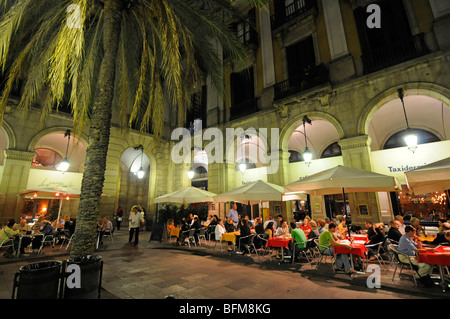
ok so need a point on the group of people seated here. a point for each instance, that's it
(33, 235)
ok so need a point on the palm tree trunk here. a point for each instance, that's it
(99, 131)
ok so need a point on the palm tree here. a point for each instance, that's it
(90, 53)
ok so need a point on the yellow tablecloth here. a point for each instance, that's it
(428, 238)
(230, 237)
(175, 232)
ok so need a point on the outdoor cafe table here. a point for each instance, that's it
(440, 257)
(279, 242)
(358, 249)
(20, 242)
(231, 236)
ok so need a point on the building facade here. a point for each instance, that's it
(324, 59)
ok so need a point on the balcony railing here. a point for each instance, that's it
(292, 11)
(315, 76)
(244, 108)
(394, 53)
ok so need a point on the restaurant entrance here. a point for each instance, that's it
(430, 207)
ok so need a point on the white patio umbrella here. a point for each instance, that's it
(429, 178)
(186, 195)
(334, 180)
(252, 192)
(341, 180)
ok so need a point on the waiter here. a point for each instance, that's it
(234, 214)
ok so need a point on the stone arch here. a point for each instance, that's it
(7, 140)
(122, 167)
(76, 151)
(56, 129)
(289, 128)
(9, 134)
(263, 137)
(432, 90)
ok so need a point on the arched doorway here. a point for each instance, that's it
(134, 182)
(429, 120)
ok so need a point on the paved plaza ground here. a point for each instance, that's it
(156, 270)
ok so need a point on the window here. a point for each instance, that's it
(397, 140)
(243, 101)
(245, 29)
(332, 151)
(391, 44)
(46, 157)
(295, 157)
(300, 58)
(197, 111)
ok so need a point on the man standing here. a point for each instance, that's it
(408, 248)
(234, 215)
(135, 221)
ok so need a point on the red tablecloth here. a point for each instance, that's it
(358, 249)
(278, 242)
(439, 257)
(360, 237)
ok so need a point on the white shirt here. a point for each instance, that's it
(135, 219)
(219, 231)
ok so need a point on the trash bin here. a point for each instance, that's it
(91, 268)
(38, 281)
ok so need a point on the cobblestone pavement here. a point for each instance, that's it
(156, 270)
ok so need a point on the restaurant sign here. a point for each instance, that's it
(397, 161)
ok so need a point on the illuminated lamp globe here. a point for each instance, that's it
(242, 167)
(307, 156)
(411, 141)
(63, 165)
(140, 173)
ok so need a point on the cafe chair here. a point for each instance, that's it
(394, 250)
(250, 245)
(211, 232)
(302, 251)
(109, 234)
(48, 239)
(322, 254)
(68, 242)
(202, 235)
(191, 237)
(266, 251)
(377, 254)
(64, 237)
(8, 243)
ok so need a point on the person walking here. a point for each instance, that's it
(135, 221)
(119, 216)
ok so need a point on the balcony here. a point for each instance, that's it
(244, 108)
(298, 8)
(317, 75)
(394, 53)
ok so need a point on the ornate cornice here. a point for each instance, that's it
(19, 155)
